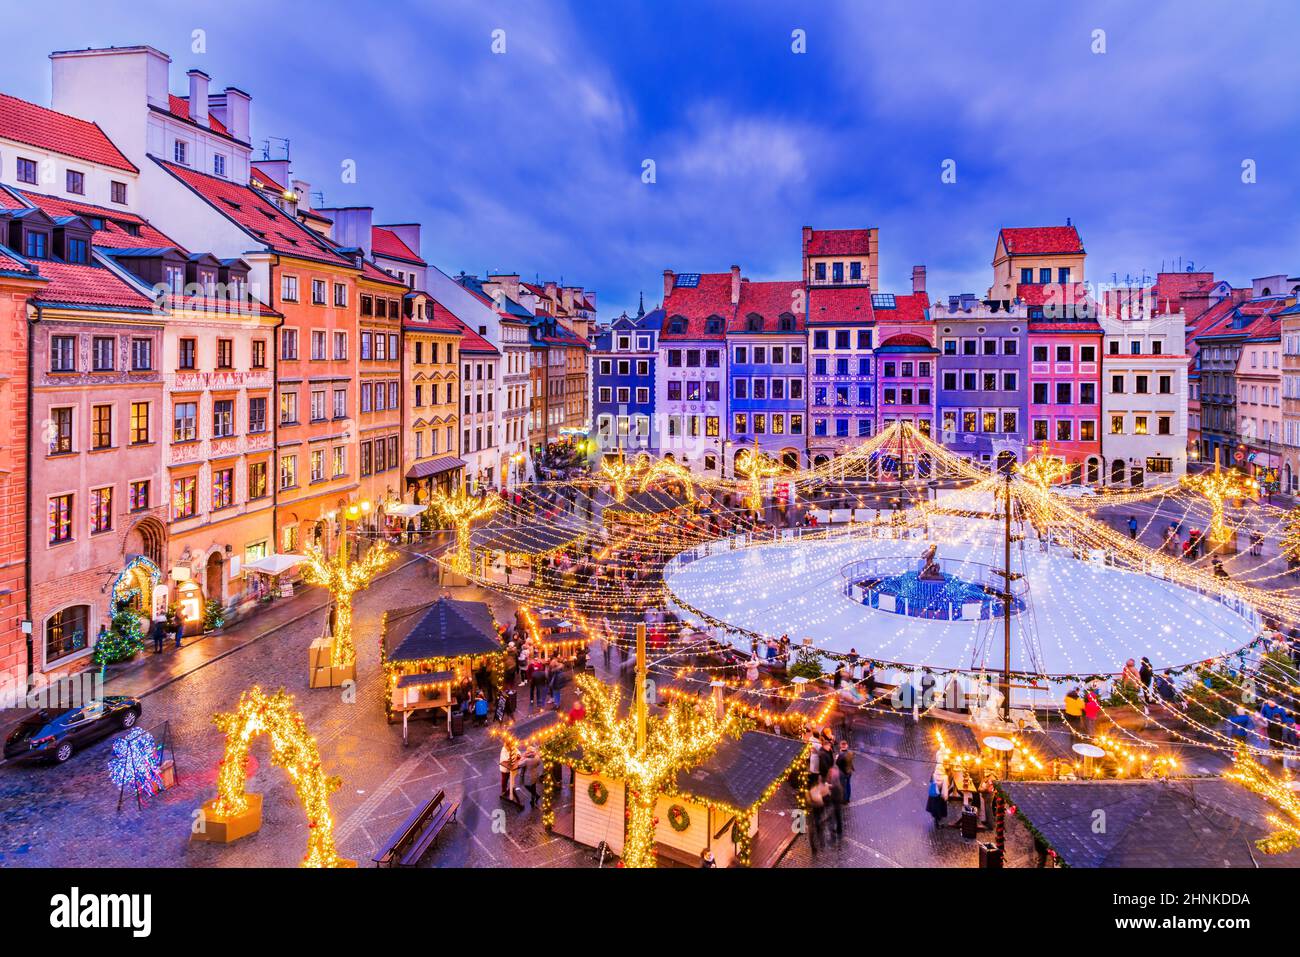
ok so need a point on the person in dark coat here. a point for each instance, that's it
(935, 805)
(158, 632)
(1145, 675)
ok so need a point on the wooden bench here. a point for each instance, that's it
(410, 842)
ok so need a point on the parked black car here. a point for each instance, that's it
(54, 734)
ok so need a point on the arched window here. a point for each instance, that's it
(677, 325)
(754, 322)
(786, 323)
(66, 632)
(1117, 472)
(713, 325)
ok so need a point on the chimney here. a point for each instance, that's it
(735, 285)
(918, 280)
(807, 237)
(236, 109)
(669, 278)
(199, 96)
(303, 189)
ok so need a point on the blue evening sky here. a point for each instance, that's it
(531, 160)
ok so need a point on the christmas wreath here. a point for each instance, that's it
(678, 818)
(598, 793)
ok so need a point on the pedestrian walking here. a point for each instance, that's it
(844, 761)
(508, 764)
(158, 632)
(935, 804)
(817, 796)
(1132, 527)
(1091, 708)
(1146, 674)
(531, 773)
(835, 801)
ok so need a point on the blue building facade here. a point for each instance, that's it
(623, 384)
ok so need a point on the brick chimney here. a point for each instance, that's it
(199, 96)
(807, 237)
(918, 280)
(735, 285)
(669, 279)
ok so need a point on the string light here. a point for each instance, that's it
(1216, 487)
(1278, 792)
(461, 510)
(343, 578)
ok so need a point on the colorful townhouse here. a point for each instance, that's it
(431, 399)
(1289, 327)
(691, 373)
(624, 384)
(1259, 401)
(906, 357)
(19, 282)
(1220, 338)
(480, 420)
(1144, 390)
(96, 501)
(981, 379)
(840, 270)
(767, 370)
(1036, 256)
(513, 461)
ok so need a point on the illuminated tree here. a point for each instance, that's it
(620, 472)
(755, 466)
(460, 509)
(1250, 773)
(671, 471)
(293, 749)
(683, 737)
(343, 578)
(1217, 487)
(1043, 470)
(1290, 542)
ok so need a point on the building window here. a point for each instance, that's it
(187, 353)
(219, 164)
(223, 418)
(185, 421)
(289, 289)
(259, 354)
(340, 294)
(63, 354)
(318, 292)
(340, 345)
(288, 471)
(65, 632)
(340, 460)
(288, 343)
(138, 497)
(118, 192)
(101, 427)
(139, 423)
(256, 480)
(60, 525)
(288, 408)
(185, 498)
(223, 488)
(101, 510)
(60, 431)
(181, 153)
(141, 355)
(257, 414)
(76, 182)
(317, 465)
(26, 171)
(225, 353)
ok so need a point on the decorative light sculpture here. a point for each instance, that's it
(755, 466)
(620, 473)
(1251, 774)
(1216, 488)
(460, 509)
(670, 470)
(1043, 470)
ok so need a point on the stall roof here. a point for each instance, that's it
(1181, 823)
(742, 769)
(525, 538)
(446, 628)
(650, 502)
(276, 564)
(421, 679)
(406, 510)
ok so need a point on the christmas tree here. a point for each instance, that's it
(123, 639)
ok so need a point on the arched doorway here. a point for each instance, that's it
(790, 459)
(1006, 461)
(1117, 472)
(214, 578)
(819, 460)
(1092, 471)
(1136, 476)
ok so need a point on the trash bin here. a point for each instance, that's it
(970, 821)
(990, 855)
(457, 723)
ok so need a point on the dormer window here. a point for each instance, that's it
(77, 252)
(36, 245)
(786, 323)
(754, 323)
(175, 278)
(713, 325)
(677, 325)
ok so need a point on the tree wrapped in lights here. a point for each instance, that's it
(669, 470)
(755, 466)
(343, 578)
(1217, 487)
(293, 749)
(1251, 774)
(1290, 541)
(621, 473)
(460, 510)
(681, 738)
(1043, 470)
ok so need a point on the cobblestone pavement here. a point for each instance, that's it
(67, 815)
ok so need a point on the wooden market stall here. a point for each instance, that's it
(431, 653)
(512, 549)
(715, 806)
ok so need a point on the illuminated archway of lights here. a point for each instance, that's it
(292, 748)
(608, 573)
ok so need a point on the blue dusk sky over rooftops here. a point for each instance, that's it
(531, 160)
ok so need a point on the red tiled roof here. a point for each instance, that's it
(710, 297)
(839, 242)
(112, 236)
(180, 108)
(771, 300)
(471, 341)
(251, 212)
(441, 319)
(372, 272)
(1218, 321)
(37, 126)
(908, 309)
(840, 305)
(385, 242)
(259, 174)
(9, 262)
(1040, 240)
(83, 285)
(1042, 294)
(906, 340)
